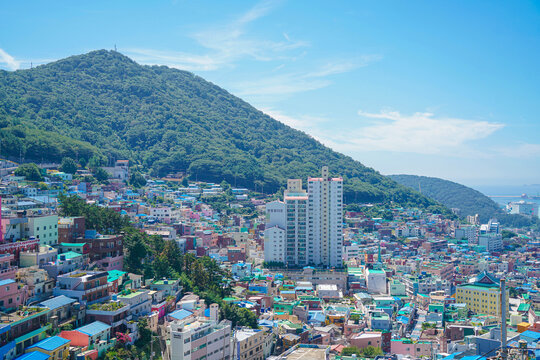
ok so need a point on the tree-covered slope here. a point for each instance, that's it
(454, 195)
(171, 120)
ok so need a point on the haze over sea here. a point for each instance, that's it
(503, 194)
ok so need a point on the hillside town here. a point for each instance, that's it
(322, 280)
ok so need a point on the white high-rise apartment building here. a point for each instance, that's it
(296, 201)
(306, 229)
(325, 220)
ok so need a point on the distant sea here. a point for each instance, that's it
(502, 195)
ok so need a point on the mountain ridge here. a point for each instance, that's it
(172, 120)
(455, 195)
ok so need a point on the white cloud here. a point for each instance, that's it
(9, 60)
(290, 83)
(224, 45)
(178, 60)
(421, 133)
(282, 84)
(339, 67)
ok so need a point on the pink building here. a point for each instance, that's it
(366, 339)
(11, 296)
(7, 267)
(408, 347)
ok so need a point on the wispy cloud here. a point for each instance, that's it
(421, 133)
(303, 122)
(9, 61)
(295, 82)
(223, 45)
(522, 150)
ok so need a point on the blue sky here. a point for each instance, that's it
(438, 88)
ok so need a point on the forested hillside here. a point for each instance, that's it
(167, 120)
(454, 195)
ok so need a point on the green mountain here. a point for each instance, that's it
(167, 120)
(454, 195)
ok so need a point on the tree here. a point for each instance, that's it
(371, 351)
(69, 166)
(185, 182)
(100, 174)
(29, 171)
(507, 234)
(137, 180)
(350, 350)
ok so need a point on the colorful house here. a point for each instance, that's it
(55, 347)
(94, 336)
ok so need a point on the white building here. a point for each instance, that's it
(296, 201)
(310, 223)
(325, 220)
(275, 234)
(491, 241)
(200, 338)
(351, 252)
(466, 232)
(161, 214)
(523, 208)
(376, 281)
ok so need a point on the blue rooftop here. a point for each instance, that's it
(93, 328)
(57, 302)
(51, 343)
(6, 282)
(180, 314)
(531, 335)
(34, 355)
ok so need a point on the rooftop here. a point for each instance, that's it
(51, 343)
(57, 302)
(93, 328)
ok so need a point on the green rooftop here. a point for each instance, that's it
(73, 244)
(69, 255)
(115, 275)
(130, 295)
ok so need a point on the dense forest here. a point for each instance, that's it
(167, 120)
(467, 200)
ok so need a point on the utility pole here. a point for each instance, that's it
(504, 350)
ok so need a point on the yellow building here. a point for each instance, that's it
(482, 296)
(56, 347)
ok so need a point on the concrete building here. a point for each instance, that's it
(376, 281)
(296, 201)
(200, 339)
(491, 241)
(71, 228)
(87, 286)
(275, 233)
(306, 229)
(523, 207)
(325, 220)
(482, 296)
(249, 344)
(44, 228)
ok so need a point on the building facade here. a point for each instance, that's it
(306, 228)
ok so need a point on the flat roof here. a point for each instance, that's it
(304, 353)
